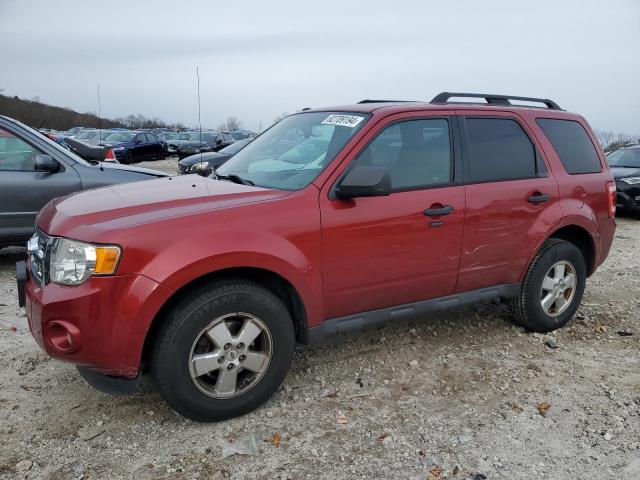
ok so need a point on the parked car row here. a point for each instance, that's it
(131, 146)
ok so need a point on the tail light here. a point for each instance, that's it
(110, 156)
(611, 196)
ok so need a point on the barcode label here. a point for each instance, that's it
(343, 120)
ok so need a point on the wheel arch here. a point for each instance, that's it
(269, 279)
(582, 239)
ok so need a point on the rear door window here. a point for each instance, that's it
(572, 144)
(498, 149)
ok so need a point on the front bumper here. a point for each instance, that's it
(627, 196)
(101, 324)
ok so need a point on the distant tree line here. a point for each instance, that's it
(41, 115)
(610, 141)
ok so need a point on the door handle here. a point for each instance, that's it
(436, 212)
(539, 197)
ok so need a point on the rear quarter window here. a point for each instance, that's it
(572, 144)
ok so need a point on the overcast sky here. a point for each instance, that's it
(258, 59)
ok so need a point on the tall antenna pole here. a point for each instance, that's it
(99, 129)
(199, 116)
(99, 113)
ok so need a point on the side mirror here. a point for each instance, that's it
(44, 163)
(365, 182)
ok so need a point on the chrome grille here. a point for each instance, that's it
(39, 249)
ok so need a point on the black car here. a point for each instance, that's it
(204, 163)
(625, 166)
(34, 169)
(201, 142)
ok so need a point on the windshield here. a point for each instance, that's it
(238, 135)
(234, 147)
(182, 136)
(86, 134)
(629, 157)
(206, 137)
(292, 153)
(120, 137)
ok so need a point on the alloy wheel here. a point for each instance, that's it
(558, 288)
(230, 355)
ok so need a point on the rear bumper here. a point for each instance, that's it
(101, 324)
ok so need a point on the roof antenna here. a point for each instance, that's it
(199, 117)
(100, 132)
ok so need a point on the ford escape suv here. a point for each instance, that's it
(331, 220)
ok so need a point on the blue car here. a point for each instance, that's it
(131, 147)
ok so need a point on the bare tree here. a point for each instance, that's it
(610, 141)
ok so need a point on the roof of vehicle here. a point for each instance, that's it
(442, 100)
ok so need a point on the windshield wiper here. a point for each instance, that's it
(232, 177)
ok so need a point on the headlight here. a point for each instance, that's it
(118, 148)
(73, 262)
(631, 180)
(199, 166)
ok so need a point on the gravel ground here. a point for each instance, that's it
(168, 165)
(457, 395)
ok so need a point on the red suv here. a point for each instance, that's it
(331, 220)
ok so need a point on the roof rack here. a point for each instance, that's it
(388, 101)
(493, 99)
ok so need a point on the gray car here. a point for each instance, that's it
(34, 169)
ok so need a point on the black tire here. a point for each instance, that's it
(526, 307)
(129, 158)
(172, 348)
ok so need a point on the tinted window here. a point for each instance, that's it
(416, 152)
(15, 153)
(498, 149)
(572, 144)
(152, 138)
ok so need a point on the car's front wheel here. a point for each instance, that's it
(223, 350)
(552, 289)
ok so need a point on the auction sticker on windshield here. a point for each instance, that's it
(343, 120)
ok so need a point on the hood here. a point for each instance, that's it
(622, 172)
(203, 157)
(90, 214)
(192, 144)
(131, 168)
(178, 143)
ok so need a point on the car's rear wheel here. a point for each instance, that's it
(552, 289)
(223, 350)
